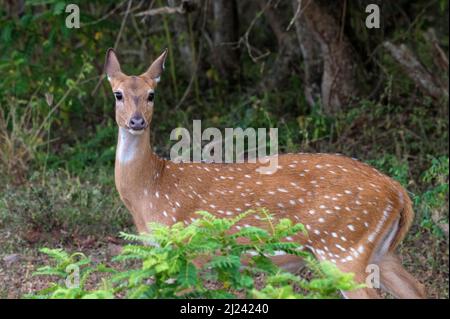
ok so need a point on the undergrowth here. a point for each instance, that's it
(202, 260)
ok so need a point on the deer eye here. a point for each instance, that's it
(151, 97)
(118, 96)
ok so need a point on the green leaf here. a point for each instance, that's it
(223, 262)
(188, 275)
(59, 8)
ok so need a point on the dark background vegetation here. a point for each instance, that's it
(314, 71)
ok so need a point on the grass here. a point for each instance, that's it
(60, 207)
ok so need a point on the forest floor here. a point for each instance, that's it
(421, 254)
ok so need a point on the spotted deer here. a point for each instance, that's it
(354, 215)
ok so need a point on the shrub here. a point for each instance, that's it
(166, 265)
(433, 203)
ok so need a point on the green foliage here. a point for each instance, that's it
(327, 284)
(36, 49)
(96, 152)
(75, 267)
(315, 126)
(56, 200)
(433, 203)
(167, 265)
(26, 125)
(38, 59)
(393, 167)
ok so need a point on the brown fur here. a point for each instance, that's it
(348, 207)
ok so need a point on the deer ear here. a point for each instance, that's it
(157, 67)
(112, 65)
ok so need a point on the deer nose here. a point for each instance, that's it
(137, 123)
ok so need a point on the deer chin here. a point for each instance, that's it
(135, 132)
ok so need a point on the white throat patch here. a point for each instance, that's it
(128, 146)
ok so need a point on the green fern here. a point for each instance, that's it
(168, 269)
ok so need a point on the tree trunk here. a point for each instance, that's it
(15, 8)
(320, 23)
(182, 36)
(287, 51)
(313, 64)
(226, 36)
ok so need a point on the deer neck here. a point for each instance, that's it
(137, 167)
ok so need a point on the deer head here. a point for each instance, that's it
(134, 94)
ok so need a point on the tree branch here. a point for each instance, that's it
(184, 7)
(415, 70)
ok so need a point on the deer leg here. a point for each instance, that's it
(397, 281)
